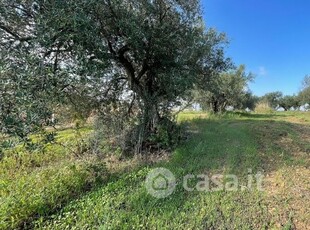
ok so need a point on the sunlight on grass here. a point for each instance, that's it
(57, 189)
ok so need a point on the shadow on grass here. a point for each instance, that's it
(237, 144)
(261, 116)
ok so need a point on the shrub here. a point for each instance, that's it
(263, 107)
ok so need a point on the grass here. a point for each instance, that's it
(37, 183)
(59, 191)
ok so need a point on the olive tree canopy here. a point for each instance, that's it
(134, 58)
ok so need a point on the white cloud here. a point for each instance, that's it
(262, 71)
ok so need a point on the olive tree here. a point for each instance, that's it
(304, 94)
(288, 102)
(272, 99)
(224, 89)
(249, 101)
(133, 60)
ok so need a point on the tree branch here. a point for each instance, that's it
(7, 30)
(124, 61)
(15, 35)
(145, 67)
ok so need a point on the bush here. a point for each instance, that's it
(41, 192)
(111, 133)
(126, 130)
(263, 107)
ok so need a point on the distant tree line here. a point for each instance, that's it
(230, 89)
(287, 102)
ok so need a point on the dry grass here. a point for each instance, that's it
(285, 148)
(288, 197)
(263, 108)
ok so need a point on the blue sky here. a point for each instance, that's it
(271, 37)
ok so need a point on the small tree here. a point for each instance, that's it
(287, 102)
(304, 94)
(224, 89)
(272, 98)
(249, 101)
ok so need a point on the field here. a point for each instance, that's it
(62, 187)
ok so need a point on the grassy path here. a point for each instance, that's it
(214, 147)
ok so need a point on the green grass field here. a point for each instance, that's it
(61, 188)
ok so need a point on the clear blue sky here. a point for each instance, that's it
(271, 37)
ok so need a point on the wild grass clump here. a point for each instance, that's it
(44, 191)
(120, 136)
(263, 107)
(34, 184)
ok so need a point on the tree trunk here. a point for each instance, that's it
(148, 123)
(149, 108)
(215, 106)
